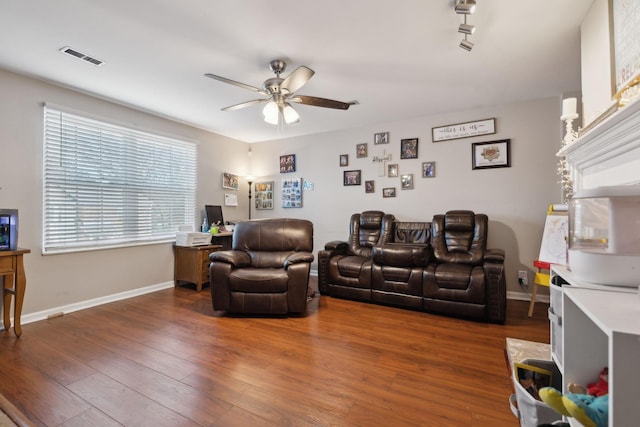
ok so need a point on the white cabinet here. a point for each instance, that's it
(602, 328)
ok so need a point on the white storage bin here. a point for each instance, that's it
(530, 411)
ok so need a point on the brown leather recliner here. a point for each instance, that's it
(267, 270)
(344, 268)
(466, 279)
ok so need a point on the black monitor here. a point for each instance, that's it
(214, 214)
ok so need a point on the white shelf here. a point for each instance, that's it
(602, 328)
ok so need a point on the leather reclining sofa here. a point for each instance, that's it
(442, 266)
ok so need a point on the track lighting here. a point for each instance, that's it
(465, 7)
(466, 44)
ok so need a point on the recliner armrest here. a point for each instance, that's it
(336, 245)
(235, 258)
(405, 255)
(494, 255)
(297, 258)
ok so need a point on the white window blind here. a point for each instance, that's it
(109, 186)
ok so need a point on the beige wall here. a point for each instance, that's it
(515, 198)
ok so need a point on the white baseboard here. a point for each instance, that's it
(523, 296)
(60, 311)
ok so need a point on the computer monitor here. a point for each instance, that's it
(214, 214)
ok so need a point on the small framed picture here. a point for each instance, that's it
(288, 163)
(361, 150)
(406, 181)
(352, 177)
(381, 138)
(428, 169)
(369, 187)
(229, 181)
(344, 160)
(493, 154)
(409, 148)
(392, 170)
(264, 195)
(389, 192)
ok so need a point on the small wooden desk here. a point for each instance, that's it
(11, 265)
(192, 264)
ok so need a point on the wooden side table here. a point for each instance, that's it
(191, 264)
(11, 265)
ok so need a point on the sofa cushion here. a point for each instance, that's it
(412, 232)
(262, 280)
(402, 255)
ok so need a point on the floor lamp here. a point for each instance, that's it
(250, 182)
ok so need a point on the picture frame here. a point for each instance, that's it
(229, 181)
(406, 181)
(369, 186)
(288, 163)
(625, 49)
(381, 138)
(263, 195)
(409, 148)
(389, 192)
(291, 193)
(428, 169)
(352, 177)
(344, 160)
(492, 154)
(361, 150)
(532, 378)
(392, 170)
(463, 130)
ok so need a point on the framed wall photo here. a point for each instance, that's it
(361, 150)
(381, 138)
(369, 187)
(409, 148)
(463, 130)
(389, 192)
(291, 193)
(352, 177)
(344, 160)
(625, 44)
(406, 181)
(493, 154)
(264, 195)
(288, 163)
(392, 170)
(229, 181)
(428, 169)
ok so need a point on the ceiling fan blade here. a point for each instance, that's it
(296, 79)
(245, 104)
(235, 83)
(322, 102)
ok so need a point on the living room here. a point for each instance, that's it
(515, 198)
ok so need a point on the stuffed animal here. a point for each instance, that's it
(589, 410)
(601, 387)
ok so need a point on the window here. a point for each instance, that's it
(110, 186)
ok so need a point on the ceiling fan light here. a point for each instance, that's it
(271, 113)
(466, 29)
(465, 7)
(290, 115)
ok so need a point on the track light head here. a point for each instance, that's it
(465, 7)
(466, 45)
(467, 29)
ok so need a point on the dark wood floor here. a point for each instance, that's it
(166, 359)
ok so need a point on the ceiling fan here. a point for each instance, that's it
(280, 92)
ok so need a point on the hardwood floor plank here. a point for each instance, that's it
(167, 358)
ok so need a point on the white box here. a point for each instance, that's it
(192, 238)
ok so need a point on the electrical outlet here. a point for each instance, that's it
(523, 279)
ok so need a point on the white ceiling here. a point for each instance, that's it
(400, 59)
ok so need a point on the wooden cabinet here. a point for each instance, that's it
(192, 264)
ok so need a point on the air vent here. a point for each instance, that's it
(81, 55)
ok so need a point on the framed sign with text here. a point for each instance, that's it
(464, 130)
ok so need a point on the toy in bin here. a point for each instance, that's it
(588, 405)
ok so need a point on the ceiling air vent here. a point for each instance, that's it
(81, 55)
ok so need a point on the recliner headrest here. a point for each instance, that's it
(371, 219)
(459, 220)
